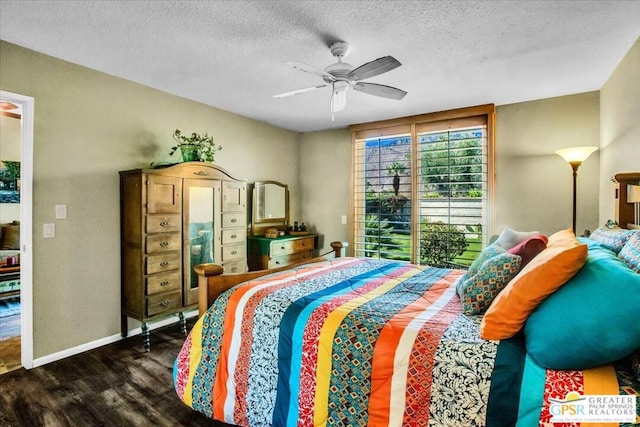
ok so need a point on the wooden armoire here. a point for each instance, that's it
(173, 218)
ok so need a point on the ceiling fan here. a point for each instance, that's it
(341, 76)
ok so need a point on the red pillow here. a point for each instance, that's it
(528, 249)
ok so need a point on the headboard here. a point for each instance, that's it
(625, 211)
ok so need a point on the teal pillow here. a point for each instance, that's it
(590, 321)
(477, 292)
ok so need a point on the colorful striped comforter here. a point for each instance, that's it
(356, 342)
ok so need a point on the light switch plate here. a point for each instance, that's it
(343, 219)
(48, 231)
(61, 211)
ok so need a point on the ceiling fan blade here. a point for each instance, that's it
(380, 90)
(311, 70)
(298, 91)
(374, 68)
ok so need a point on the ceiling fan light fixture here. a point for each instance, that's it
(342, 75)
(339, 96)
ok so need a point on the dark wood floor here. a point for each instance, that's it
(115, 385)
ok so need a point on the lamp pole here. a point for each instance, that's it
(575, 156)
(574, 166)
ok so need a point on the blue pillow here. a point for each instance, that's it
(590, 321)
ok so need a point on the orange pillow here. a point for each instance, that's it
(563, 257)
(563, 238)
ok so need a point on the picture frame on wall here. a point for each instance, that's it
(9, 181)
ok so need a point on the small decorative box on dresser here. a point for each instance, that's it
(265, 253)
(171, 220)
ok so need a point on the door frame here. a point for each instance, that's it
(26, 224)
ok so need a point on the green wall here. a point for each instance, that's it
(619, 126)
(88, 126)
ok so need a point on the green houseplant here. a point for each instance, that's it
(195, 147)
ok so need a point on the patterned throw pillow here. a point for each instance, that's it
(613, 238)
(630, 252)
(487, 253)
(478, 291)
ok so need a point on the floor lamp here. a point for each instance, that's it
(575, 156)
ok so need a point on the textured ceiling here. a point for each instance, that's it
(232, 54)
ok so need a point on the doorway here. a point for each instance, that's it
(17, 267)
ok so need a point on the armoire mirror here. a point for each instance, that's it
(270, 206)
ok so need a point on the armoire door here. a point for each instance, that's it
(163, 194)
(201, 230)
(234, 196)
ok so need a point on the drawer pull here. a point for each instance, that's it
(234, 252)
(165, 303)
(234, 220)
(164, 244)
(164, 263)
(234, 269)
(282, 248)
(277, 262)
(201, 173)
(234, 236)
(164, 283)
(164, 224)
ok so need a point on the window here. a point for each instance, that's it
(422, 187)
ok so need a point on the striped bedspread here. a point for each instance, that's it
(356, 342)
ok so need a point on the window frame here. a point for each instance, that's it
(413, 125)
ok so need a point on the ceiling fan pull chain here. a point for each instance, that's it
(331, 102)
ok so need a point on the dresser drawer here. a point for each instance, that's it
(234, 236)
(157, 263)
(157, 304)
(230, 220)
(239, 266)
(283, 260)
(234, 252)
(163, 243)
(291, 246)
(159, 223)
(164, 282)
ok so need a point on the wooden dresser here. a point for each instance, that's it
(265, 253)
(172, 219)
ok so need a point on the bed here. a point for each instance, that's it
(351, 342)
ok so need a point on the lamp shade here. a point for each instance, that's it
(576, 154)
(633, 193)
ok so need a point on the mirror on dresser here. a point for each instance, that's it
(270, 210)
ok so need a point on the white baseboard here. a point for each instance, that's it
(106, 340)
